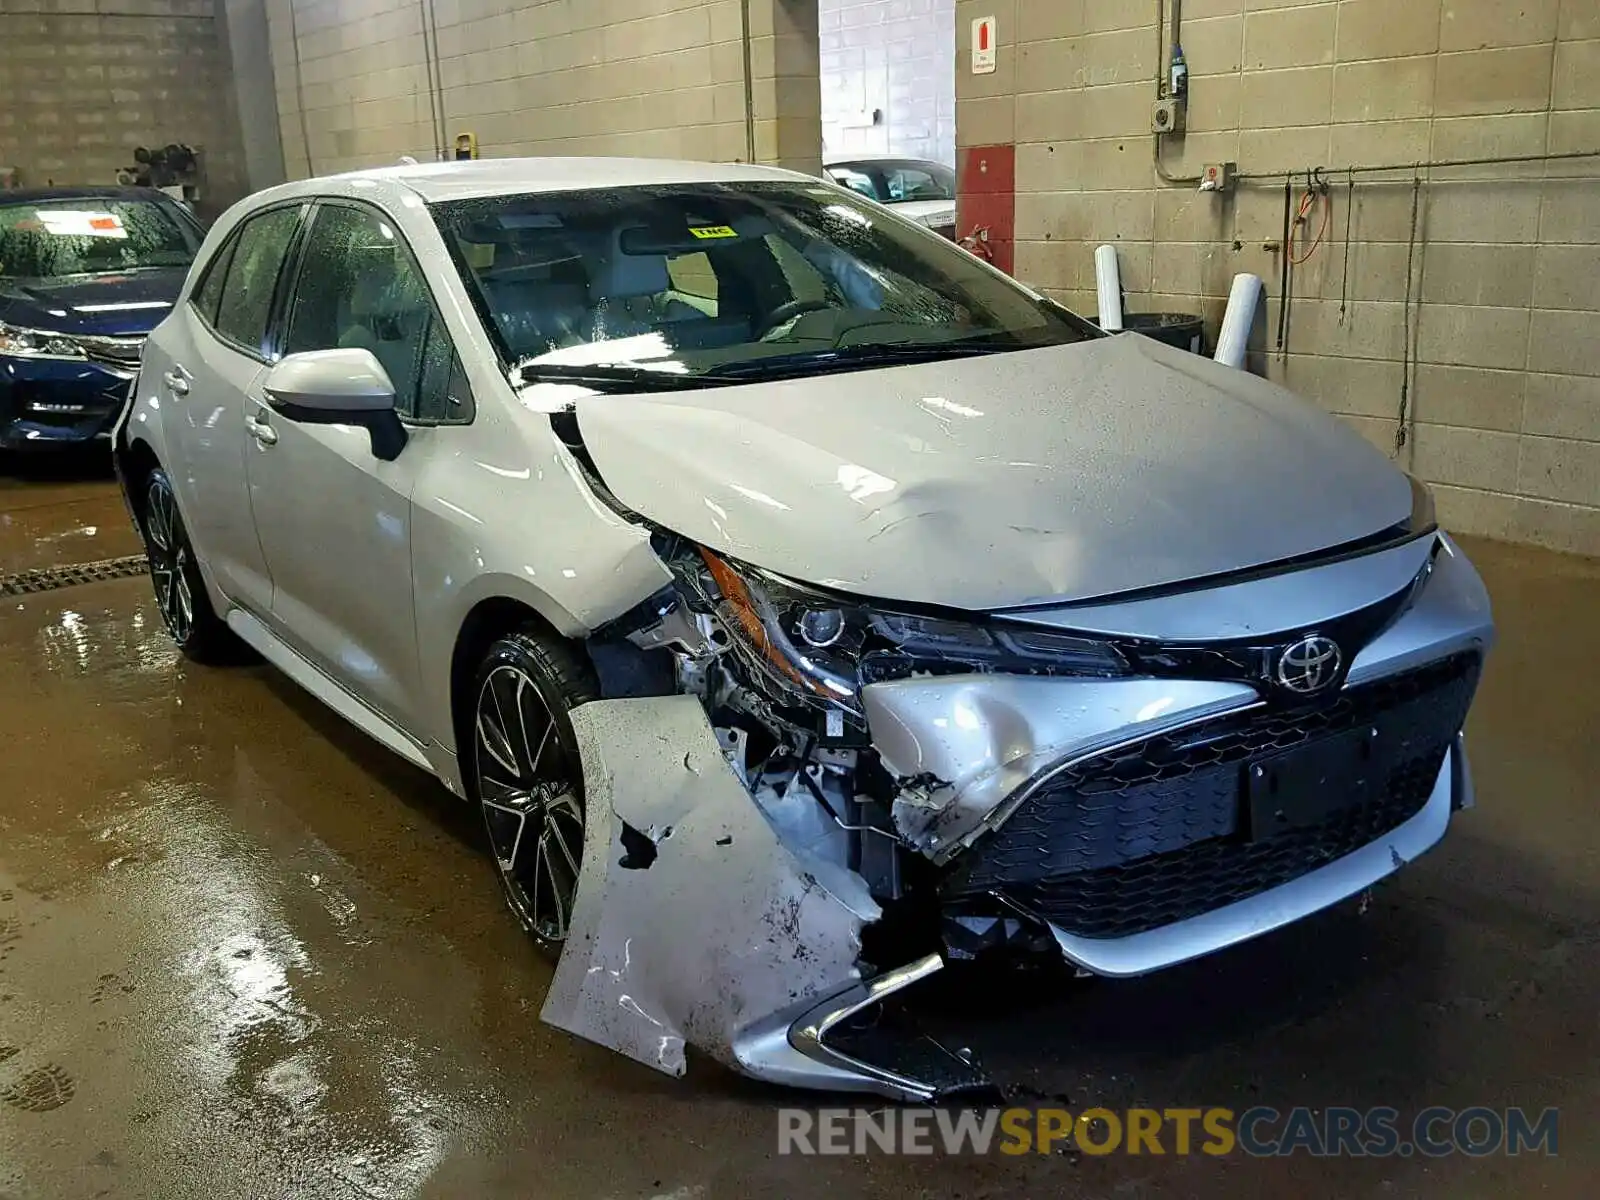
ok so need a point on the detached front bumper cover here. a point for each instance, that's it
(695, 925)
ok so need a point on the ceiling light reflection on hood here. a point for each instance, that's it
(950, 406)
(859, 482)
(759, 497)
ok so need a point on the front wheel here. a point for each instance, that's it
(528, 778)
(180, 592)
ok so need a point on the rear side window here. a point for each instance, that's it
(913, 183)
(246, 300)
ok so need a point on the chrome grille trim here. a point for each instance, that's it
(123, 352)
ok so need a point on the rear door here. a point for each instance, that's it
(334, 519)
(209, 358)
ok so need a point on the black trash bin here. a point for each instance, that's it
(1183, 330)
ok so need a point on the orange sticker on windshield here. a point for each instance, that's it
(705, 232)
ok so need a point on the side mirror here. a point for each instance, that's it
(338, 387)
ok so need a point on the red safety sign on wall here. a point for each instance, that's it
(986, 203)
(983, 56)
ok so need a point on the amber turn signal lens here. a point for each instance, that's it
(738, 599)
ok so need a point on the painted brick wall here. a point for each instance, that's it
(83, 82)
(1505, 389)
(661, 78)
(896, 56)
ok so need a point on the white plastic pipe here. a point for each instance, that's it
(1243, 298)
(1109, 280)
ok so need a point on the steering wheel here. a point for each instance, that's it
(788, 312)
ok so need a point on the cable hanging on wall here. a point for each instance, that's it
(1407, 357)
(1349, 213)
(430, 55)
(300, 90)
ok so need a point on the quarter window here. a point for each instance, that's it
(246, 301)
(360, 288)
(210, 291)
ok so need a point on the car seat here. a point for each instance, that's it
(629, 294)
(535, 315)
(386, 311)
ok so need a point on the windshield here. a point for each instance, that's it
(46, 239)
(892, 182)
(708, 279)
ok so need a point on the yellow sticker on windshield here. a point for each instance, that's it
(712, 231)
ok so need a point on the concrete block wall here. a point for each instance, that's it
(1504, 355)
(83, 82)
(661, 78)
(896, 57)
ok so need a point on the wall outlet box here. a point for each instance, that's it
(1167, 116)
(1218, 177)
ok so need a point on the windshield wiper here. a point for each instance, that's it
(851, 358)
(617, 379)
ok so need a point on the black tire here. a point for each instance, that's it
(528, 780)
(180, 592)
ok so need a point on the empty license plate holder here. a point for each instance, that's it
(1308, 783)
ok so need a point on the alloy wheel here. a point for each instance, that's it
(168, 551)
(530, 807)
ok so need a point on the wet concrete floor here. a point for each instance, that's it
(246, 953)
(60, 508)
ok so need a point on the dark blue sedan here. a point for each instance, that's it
(85, 275)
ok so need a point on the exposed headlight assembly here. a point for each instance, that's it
(925, 641)
(37, 343)
(825, 648)
(770, 617)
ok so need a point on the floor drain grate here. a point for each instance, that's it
(48, 579)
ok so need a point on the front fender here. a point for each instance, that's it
(537, 537)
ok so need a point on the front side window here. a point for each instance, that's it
(245, 304)
(52, 239)
(702, 279)
(359, 287)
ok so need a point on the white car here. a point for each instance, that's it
(803, 603)
(916, 188)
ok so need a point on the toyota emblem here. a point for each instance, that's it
(1309, 665)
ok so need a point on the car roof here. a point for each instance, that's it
(90, 192)
(516, 176)
(884, 160)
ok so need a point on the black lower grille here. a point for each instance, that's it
(1159, 830)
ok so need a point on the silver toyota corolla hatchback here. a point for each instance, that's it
(806, 605)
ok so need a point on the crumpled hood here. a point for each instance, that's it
(1058, 474)
(122, 304)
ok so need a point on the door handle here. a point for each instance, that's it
(177, 381)
(261, 431)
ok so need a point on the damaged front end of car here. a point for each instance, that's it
(1132, 689)
(781, 782)
(802, 804)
